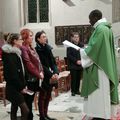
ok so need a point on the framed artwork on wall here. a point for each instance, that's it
(63, 33)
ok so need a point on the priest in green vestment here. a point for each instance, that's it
(100, 79)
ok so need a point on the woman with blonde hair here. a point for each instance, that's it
(14, 74)
(33, 67)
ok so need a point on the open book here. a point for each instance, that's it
(66, 43)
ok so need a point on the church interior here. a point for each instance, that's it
(58, 18)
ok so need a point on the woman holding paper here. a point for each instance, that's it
(14, 74)
(33, 67)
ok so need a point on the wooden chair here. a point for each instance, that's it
(2, 84)
(62, 66)
(57, 60)
(64, 77)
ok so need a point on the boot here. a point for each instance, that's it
(50, 118)
(43, 118)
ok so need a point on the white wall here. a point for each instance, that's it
(64, 14)
(11, 16)
(78, 13)
(106, 7)
(116, 29)
(71, 12)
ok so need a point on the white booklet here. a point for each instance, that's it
(66, 43)
(29, 92)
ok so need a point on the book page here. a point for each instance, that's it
(29, 92)
(66, 43)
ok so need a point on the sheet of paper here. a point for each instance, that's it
(29, 92)
(66, 43)
(40, 83)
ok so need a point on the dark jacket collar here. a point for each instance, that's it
(41, 47)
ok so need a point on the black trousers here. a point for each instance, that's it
(34, 86)
(24, 111)
(43, 101)
(76, 76)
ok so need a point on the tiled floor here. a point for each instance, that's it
(63, 107)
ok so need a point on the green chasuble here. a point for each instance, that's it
(102, 52)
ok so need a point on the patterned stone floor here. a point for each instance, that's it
(63, 107)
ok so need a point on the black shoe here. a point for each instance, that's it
(48, 118)
(43, 118)
(77, 93)
(99, 119)
(73, 94)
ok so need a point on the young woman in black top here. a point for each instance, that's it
(14, 74)
(50, 73)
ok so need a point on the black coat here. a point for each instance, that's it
(13, 72)
(48, 63)
(73, 55)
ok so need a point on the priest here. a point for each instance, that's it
(100, 79)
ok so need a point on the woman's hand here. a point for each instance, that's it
(53, 79)
(24, 91)
(41, 75)
(56, 76)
